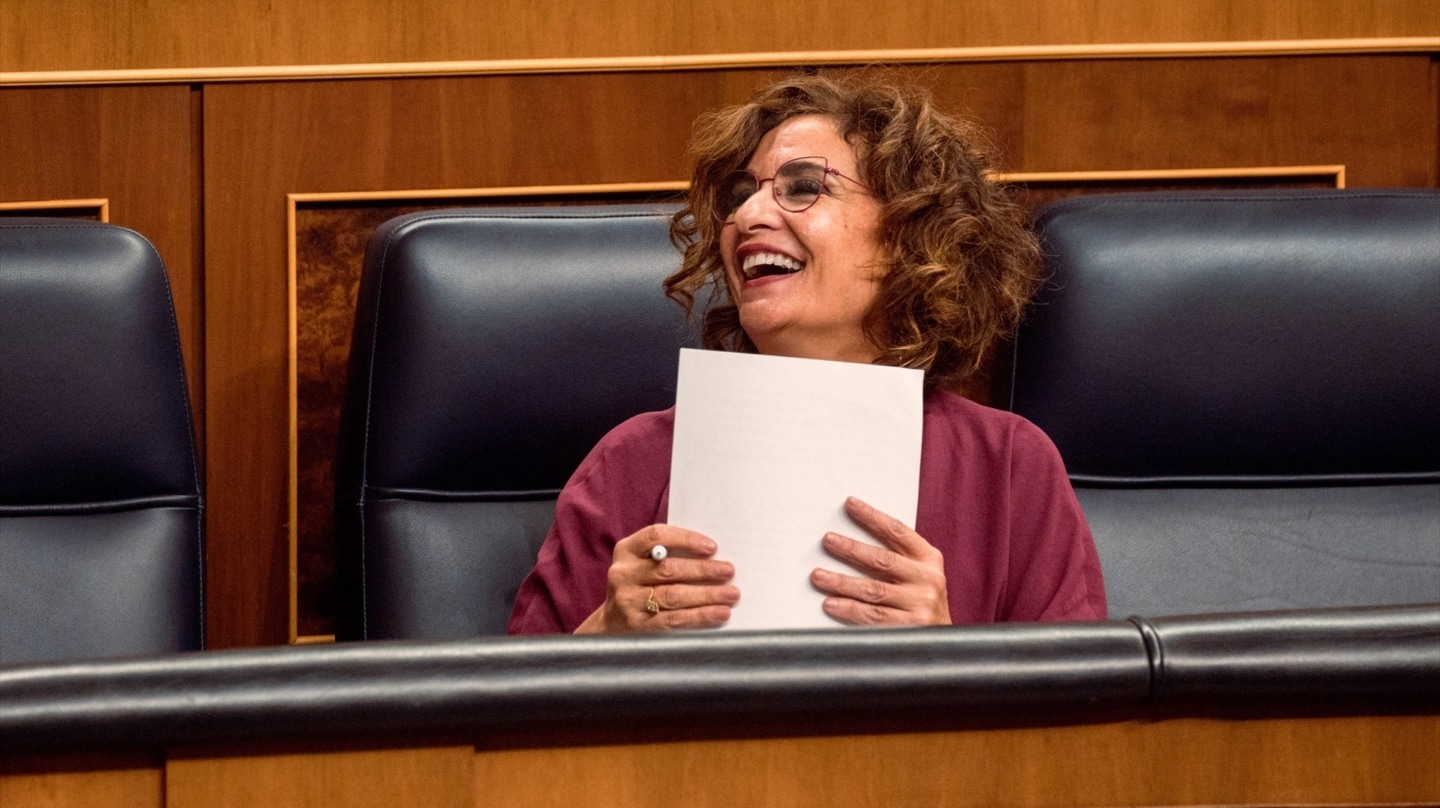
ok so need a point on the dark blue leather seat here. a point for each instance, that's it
(100, 498)
(492, 349)
(1244, 388)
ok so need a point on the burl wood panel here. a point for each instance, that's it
(330, 250)
(43, 35)
(1316, 761)
(136, 146)
(1377, 115)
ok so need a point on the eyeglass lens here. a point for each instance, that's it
(797, 185)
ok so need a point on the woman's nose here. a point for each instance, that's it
(758, 209)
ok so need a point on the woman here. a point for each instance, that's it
(841, 219)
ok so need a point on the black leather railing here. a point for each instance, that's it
(468, 689)
(1320, 654)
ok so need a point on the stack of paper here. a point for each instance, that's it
(766, 451)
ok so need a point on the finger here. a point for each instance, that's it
(700, 617)
(892, 532)
(674, 539)
(875, 561)
(687, 570)
(681, 606)
(865, 590)
(675, 597)
(865, 614)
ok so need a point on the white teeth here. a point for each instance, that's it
(769, 258)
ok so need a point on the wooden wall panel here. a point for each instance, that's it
(1374, 114)
(130, 780)
(1366, 113)
(438, 777)
(266, 140)
(42, 35)
(1245, 759)
(1196, 761)
(139, 788)
(138, 147)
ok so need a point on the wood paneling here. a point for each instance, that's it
(140, 147)
(1239, 760)
(1376, 115)
(435, 778)
(330, 239)
(93, 210)
(138, 788)
(264, 141)
(1177, 762)
(1362, 112)
(41, 35)
(137, 147)
(114, 781)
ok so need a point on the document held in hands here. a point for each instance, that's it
(767, 448)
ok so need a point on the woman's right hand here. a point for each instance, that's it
(691, 589)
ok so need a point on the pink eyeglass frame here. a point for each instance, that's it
(760, 183)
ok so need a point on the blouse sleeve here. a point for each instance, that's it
(616, 491)
(1052, 552)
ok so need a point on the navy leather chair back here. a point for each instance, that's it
(100, 498)
(492, 349)
(1246, 391)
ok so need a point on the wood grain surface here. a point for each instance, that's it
(1241, 759)
(82, 781)
(264, 141)
(204, 173)
(139, 148)
(1316, 761)
(1376, 115)
(430, 777)
(41, 35)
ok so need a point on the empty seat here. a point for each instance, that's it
(492, 349)
(1244, 388)
(100, 497)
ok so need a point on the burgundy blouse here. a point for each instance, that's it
(994, 499)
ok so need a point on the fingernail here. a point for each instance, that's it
(831, 604)
(822, 576)
(708, 545)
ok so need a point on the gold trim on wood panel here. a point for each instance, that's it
(292, 415)
(100, 206)
(485, 193)
(728, 61)
(293, 202)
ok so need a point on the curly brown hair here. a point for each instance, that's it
(959, 262)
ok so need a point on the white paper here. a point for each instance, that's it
(767, 449)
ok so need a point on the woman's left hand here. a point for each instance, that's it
(906, 583)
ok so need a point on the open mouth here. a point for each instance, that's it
(762, 264)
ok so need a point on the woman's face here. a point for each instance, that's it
(812, 275)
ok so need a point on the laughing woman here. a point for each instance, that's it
(841, 219)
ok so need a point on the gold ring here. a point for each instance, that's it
(651, 605)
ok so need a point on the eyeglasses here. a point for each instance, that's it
(797, 185)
